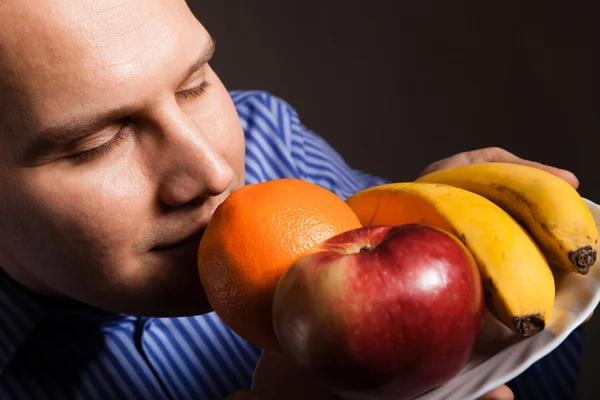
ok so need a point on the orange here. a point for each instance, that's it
(253, 238)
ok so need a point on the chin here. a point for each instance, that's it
(170, 287)
(163, 300)
(180, 303)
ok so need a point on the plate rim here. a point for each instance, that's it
(546, 349)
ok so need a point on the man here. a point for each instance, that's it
(117, 143)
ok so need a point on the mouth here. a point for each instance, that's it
(191, 240)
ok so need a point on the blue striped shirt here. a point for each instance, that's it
(56, 349)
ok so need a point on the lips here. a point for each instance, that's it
(193, 238)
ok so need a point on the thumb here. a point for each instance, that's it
(243, 395)
(500, 393)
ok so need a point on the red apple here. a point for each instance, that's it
(382, 311)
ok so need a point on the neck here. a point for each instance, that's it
(23, 277)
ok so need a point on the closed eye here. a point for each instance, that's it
(193, 92)
(103, 149)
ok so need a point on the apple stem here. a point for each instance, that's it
(366, 248)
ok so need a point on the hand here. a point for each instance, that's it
(496, 154)
(275, 378)
(243, 395)
(500, 393)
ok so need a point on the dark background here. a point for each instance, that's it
(394, 85)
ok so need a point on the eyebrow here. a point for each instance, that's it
(202, 60)
(65, 132)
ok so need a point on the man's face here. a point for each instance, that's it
(117, 143)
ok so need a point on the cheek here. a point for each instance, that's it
(84, 218)
(105, 206)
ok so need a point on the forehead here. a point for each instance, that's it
(59, 55)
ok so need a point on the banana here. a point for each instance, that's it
(549, 208)
(517, 280)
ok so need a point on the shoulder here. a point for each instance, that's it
(278, 145)
(264, 114)
(252, 99)
(269, 124)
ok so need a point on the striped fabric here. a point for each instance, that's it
(66, 350)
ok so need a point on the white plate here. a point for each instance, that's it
(499, 356)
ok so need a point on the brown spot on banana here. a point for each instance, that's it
(515, 195)
(489, 295)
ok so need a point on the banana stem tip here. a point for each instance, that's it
(529, 325)
(583, 258)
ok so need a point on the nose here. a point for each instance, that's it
(190, 164)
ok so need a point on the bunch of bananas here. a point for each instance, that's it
(517, 221)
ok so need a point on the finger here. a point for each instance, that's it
(277, 377)
(243, 395)
(497, 154)
(449, 162)
(564, 174)
(500, 393)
